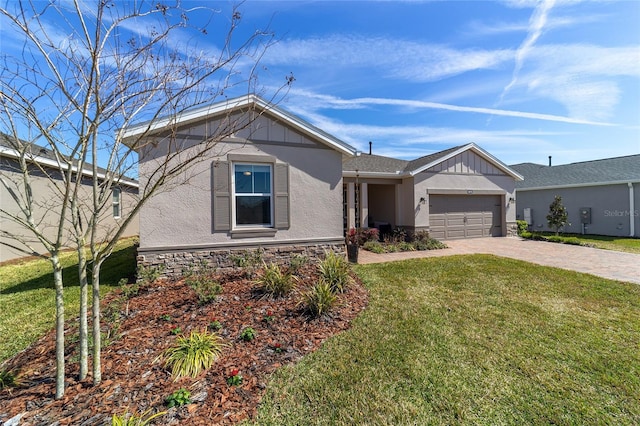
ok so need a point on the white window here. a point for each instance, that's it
(116, 198)
(252, 195)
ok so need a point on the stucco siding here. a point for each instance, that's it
(47, 210)
(428, 183)
(181, 216)
(610, 210)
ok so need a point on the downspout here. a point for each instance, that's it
(632, 211)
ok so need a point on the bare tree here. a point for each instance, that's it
(72, 87)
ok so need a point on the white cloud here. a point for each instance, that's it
(418, 62)
(537, 23)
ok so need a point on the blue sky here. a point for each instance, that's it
(522, 79)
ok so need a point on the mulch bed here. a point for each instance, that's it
(134, 379)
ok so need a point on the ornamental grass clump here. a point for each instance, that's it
(135, 419)
(320, 299)
(334, 270)
(193, 354)
(274, 282)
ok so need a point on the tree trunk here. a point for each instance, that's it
(57, 279)
(84, 327)
(97, 341)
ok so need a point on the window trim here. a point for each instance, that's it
(116, 190)
(251, 161)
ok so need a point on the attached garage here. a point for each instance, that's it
(465, 216)
(461, 192)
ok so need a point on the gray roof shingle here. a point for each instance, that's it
(380, 164)
(587, 172)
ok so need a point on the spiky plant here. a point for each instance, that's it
(334, 270)
(320, 299)
(193, 354)
(274, 282)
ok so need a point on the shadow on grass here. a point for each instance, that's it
(121, 264)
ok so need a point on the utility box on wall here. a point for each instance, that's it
(585, 215)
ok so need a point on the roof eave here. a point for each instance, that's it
(381, 175)
(127, 134)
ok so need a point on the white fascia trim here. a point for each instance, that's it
(579, 185)
(481, 152)
(230, 105)
(393, 175)
(51, 163)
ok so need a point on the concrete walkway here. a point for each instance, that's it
(604, 263)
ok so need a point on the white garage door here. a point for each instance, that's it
(465, 216)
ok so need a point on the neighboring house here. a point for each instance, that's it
(602, 197)
(275, 184)
(45, 171)
(461, 192)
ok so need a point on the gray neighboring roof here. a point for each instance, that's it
(46, 157)
(586, 173)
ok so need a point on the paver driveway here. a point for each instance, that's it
(604, 263)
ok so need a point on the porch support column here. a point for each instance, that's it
(398, 200)
(351, 205)
(364, 205)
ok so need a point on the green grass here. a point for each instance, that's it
(472, 340)
(630, 245)
(27, 295)
(626, 244)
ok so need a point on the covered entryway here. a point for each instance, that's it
(465, 216)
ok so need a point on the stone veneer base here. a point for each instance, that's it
(173, 263)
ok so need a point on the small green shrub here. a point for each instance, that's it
(215, 325)
(405, 246)
(135, 420)
(249, 261)
(276, 283)
(523, 226)
(8, 379)
(193, 354)
(574, 241)
(430, 244)
(178, 398)
(248, 334)
(320, 299)
(199, 278)
(297, 262)
(526, 234)
(165, 317)
(334, 269)
(206, 289)
(176, 330)
(149, 275)
(374, 247)
(235, 378)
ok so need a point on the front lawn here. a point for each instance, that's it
(626, 244)
(473, 340)
(27, 295)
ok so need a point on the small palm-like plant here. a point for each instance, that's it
(193, 354)
(274, 282)
(320, 299)
(334, 270)
(135, 420)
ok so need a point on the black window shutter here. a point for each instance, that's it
(281, 195)
(221, 197)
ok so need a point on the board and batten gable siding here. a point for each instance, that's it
(464, 174)
(467, 162)
(194, 213)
